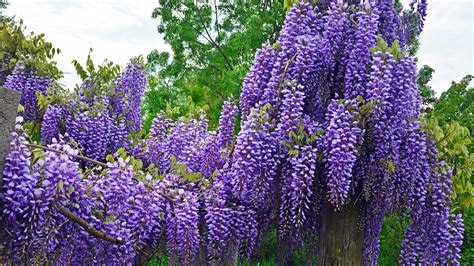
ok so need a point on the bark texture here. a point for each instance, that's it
(342, 235)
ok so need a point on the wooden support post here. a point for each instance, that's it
(342, 235)
(9, 100)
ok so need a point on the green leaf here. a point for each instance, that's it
(110, 158)
(37, 154)
(468, 202)
(60, 185)
(390, 166)
(70, 189)
(293, 152)
(110, 218)
(21, 109)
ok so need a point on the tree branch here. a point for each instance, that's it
(282, 78)
(86, 226)
(217, 46)
(217, 19)
(31, 145)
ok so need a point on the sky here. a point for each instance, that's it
(121, 29)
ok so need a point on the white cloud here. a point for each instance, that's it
(120, 29)
(116, 30)
(447, 42)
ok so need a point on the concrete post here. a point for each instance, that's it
(9, 100)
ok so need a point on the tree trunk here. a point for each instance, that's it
(9, 100)
(341, 235)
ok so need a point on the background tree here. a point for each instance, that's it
(213, 45)
(3, 5)
(456, 104)
(425, 74)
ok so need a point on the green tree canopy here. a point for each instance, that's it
(425, 74)
(456, 104)
(213, 45)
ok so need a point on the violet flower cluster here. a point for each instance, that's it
(100, 122)
(342, 138)
(51, 127)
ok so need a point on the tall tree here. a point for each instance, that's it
(213, 45)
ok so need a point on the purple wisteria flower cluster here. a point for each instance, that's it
(136, 207)
(342, 137)
(99, 120)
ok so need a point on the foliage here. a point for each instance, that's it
(212, 44)
(427, 93)
(467, 253)
(453, 141)
(33, 50)
(456, 104)
(3, 5)
(391, 239)
(100, 76)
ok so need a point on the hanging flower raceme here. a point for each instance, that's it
(50, 128)
(227, 123)
(22, 214)
(128, 93)
(343, 134)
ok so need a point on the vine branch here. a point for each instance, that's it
(282, 78)
(31, 145)
(86, 226)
